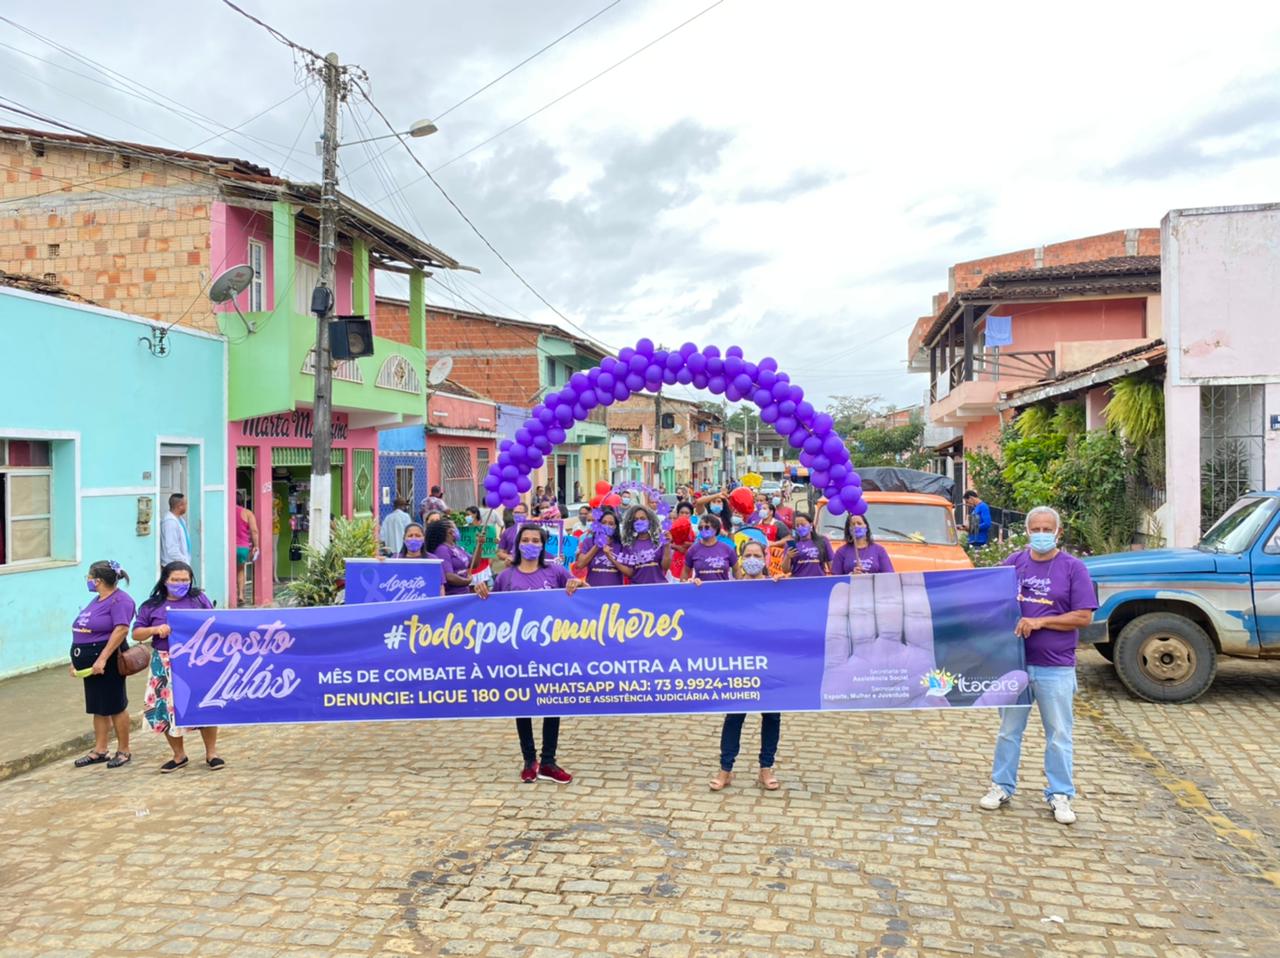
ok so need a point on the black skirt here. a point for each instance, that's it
(103, 694)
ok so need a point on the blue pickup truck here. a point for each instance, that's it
(1164, 616)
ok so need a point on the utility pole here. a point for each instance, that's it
(657, 438)
(321, 429)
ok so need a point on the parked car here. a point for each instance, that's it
(1166, 615)
(916, 529)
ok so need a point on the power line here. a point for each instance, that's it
(532, 56)
(275, 34)
(466, 219)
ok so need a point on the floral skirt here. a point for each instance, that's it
(158, 701)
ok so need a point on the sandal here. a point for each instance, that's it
(93, 758)
(721, 780)
(172, 766)
(767, 780)
(215, 763)
(116, 761)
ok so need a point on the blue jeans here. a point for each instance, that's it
(1052, 690)
(731, 738)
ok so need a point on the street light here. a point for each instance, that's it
(419, 129)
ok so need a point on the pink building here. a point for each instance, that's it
(462, 437)
(1019, 318)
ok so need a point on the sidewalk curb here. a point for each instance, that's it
(12, 768)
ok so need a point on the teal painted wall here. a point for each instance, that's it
(106, 403)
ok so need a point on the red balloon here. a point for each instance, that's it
(743, 501)
(596, 502)
(603, 488)
(612, 500)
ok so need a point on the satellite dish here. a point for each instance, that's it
(231, 284)
(677, 429)
(440, 370)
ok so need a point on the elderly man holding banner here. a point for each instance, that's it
(1057, 599)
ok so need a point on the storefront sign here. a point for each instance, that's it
(289, 425)
(916, 640)
(393, 580)
(618, 450)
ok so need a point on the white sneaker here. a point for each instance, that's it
(1062, 812)
(994, 798)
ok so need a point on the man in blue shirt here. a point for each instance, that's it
(175, 541)
(979, 518)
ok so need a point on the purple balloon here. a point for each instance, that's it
(769, 363)
(653, 373)
(700, 380)
(850, 496)
(732, 393)
(508, 491)
(604, 398)
(564, 414)
(766, 378)
(518, 452)
(625, 354)
(634, 382)
(492, 499)
(524, 484)
(552, 400)
(579, 412)
(797, 437)
(510, 473)
(688, 349)
(762, 397)
(659, 358)
(821, 463)
(785, 425)
(787, 407)
(779, 391)
(504, 445)
(804, 410)
(697, 363)
(715, 365)
(684, 376)
(645, 347)
(716, 384)
(769, 413)
(491, 483)
(594, 374)
(675, 361)
(832, 445)
(523, 436)
(822, 424)
(653, 385)
(797, 393)
(605, 381)
(638, 363)
(838, 473)
(836, 507)
(579, 382)
(812, 445)
(543, 443)
(733, 365)
(589, 400)
(742, 382)
(806, 458)
(536, 461)
(621, 391)
(859, 508)
(710, 351)
(669, 376)
(556, 435)
(734, 351)
(752, 370)
(818, 478)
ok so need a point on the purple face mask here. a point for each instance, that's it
(178, 589)
(530, 550)
(413, 543)
(859, 532)
(641, 525)
(92, 584)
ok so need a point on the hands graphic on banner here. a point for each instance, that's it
(879, 647)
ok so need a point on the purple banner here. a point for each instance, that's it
(392, 580)
(916, 640)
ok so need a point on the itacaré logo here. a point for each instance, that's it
(938, 683)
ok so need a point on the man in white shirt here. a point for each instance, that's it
(393, 526)
(175, 541)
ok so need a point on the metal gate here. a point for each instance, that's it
(456, 477)
(1231, 447)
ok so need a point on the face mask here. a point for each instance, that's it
(707, 534)
(776, 500)
(468, 520)
(737, 520)
(413, 543)
(716, 508)
(752, 565)
(530, 550)
(178, 589)
(859, 532)
(626, 502)
(93, 585)
(1043, 541)
(641, 525)
(802, 532)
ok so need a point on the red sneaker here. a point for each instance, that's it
(554, 773)
(530, 773)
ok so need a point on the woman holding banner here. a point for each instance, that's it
(709, 559)
(647, 557)
(442, 544)
(806, 554)
(511, 519)
(600, 560)
(415, 537)
(175, 590)
(531, 573)
(860, 553)
(752, 564)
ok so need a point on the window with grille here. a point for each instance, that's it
(482, 470)
(26, 501)
(1231, 447)
(456, 477)
(404, 485)
(257, 262)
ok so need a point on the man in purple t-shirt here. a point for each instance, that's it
(1057, 599)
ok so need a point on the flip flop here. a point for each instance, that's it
(172, 766)
(93, 758)
(215, 763)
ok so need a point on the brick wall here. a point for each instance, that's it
(1136, 242)
(130, 237)
(496, 360)
(393, 319)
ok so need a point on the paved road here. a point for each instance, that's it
(416, 839)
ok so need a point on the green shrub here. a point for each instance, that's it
(324, 576)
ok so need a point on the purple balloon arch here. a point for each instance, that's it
(645, 368)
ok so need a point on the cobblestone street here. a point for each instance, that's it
(417, 839)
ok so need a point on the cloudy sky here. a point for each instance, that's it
(794, 178)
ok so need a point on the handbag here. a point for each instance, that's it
(133, 659)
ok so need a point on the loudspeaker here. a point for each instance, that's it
(668, 420)
(350, 337)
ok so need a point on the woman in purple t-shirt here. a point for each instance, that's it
(415, 540)
(860, 553)
(97, 634)
(175, 590)
(709, 559)
(511, 520)
(647, 557)
(600, 559)
(807, 554)
(532, 572)
(442, 544)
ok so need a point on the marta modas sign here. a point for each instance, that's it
(618, 450)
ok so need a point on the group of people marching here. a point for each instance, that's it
(625, 545)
